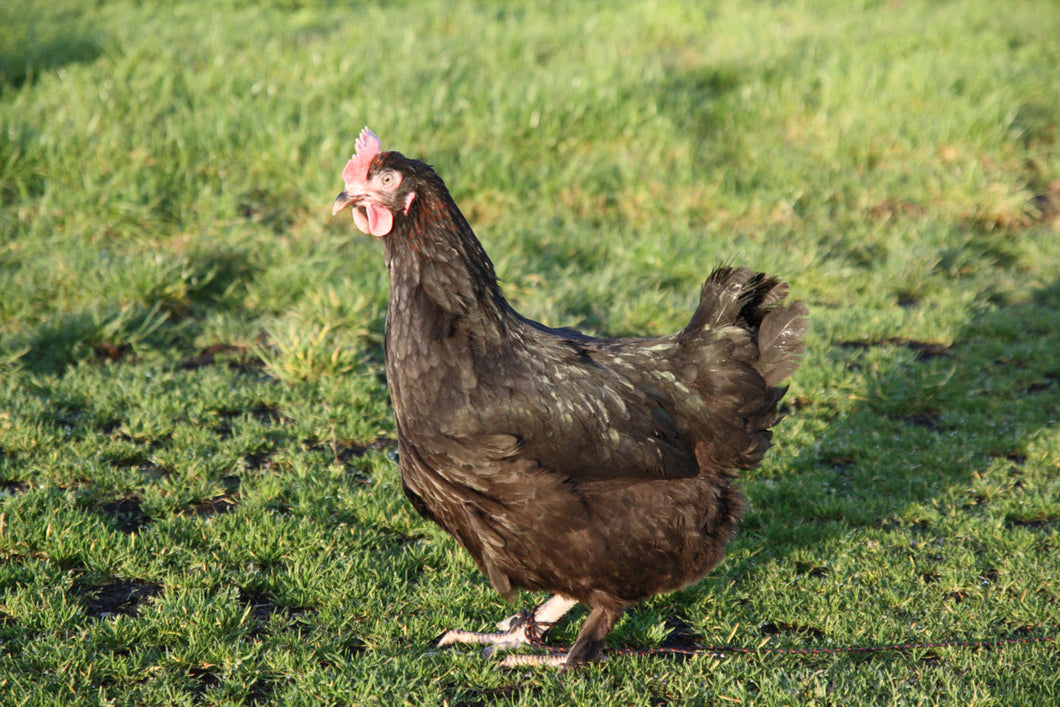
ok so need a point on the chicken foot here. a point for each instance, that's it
(587, 647)
(516, 630)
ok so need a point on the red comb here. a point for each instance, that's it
(367, 147)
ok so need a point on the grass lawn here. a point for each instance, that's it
(199, 501)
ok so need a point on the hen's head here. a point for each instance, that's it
(376, 185)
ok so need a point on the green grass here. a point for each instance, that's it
(198, 497)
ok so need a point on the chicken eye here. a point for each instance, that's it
(387, 179)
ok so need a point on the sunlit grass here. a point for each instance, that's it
(199, 501)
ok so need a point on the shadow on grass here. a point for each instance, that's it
(44, 48)
(929, 426)
(909, 438)
(171, 309)
(689, 97)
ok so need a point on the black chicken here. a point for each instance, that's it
(599, 470)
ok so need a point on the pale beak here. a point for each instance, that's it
(343, 200)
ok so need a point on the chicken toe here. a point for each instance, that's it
(522, 628)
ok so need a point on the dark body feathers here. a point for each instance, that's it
(599, 469)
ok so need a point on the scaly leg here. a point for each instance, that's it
(514, 629)
(588, 646)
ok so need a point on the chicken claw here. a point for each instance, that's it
(522, 628)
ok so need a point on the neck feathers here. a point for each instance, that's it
(434, 253)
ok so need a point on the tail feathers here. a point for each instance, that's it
(721, 300)
(780, 342)
(754, 302)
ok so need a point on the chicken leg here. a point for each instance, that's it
(587, 647)
(516, 630)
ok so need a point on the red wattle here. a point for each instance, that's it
(376, 220)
